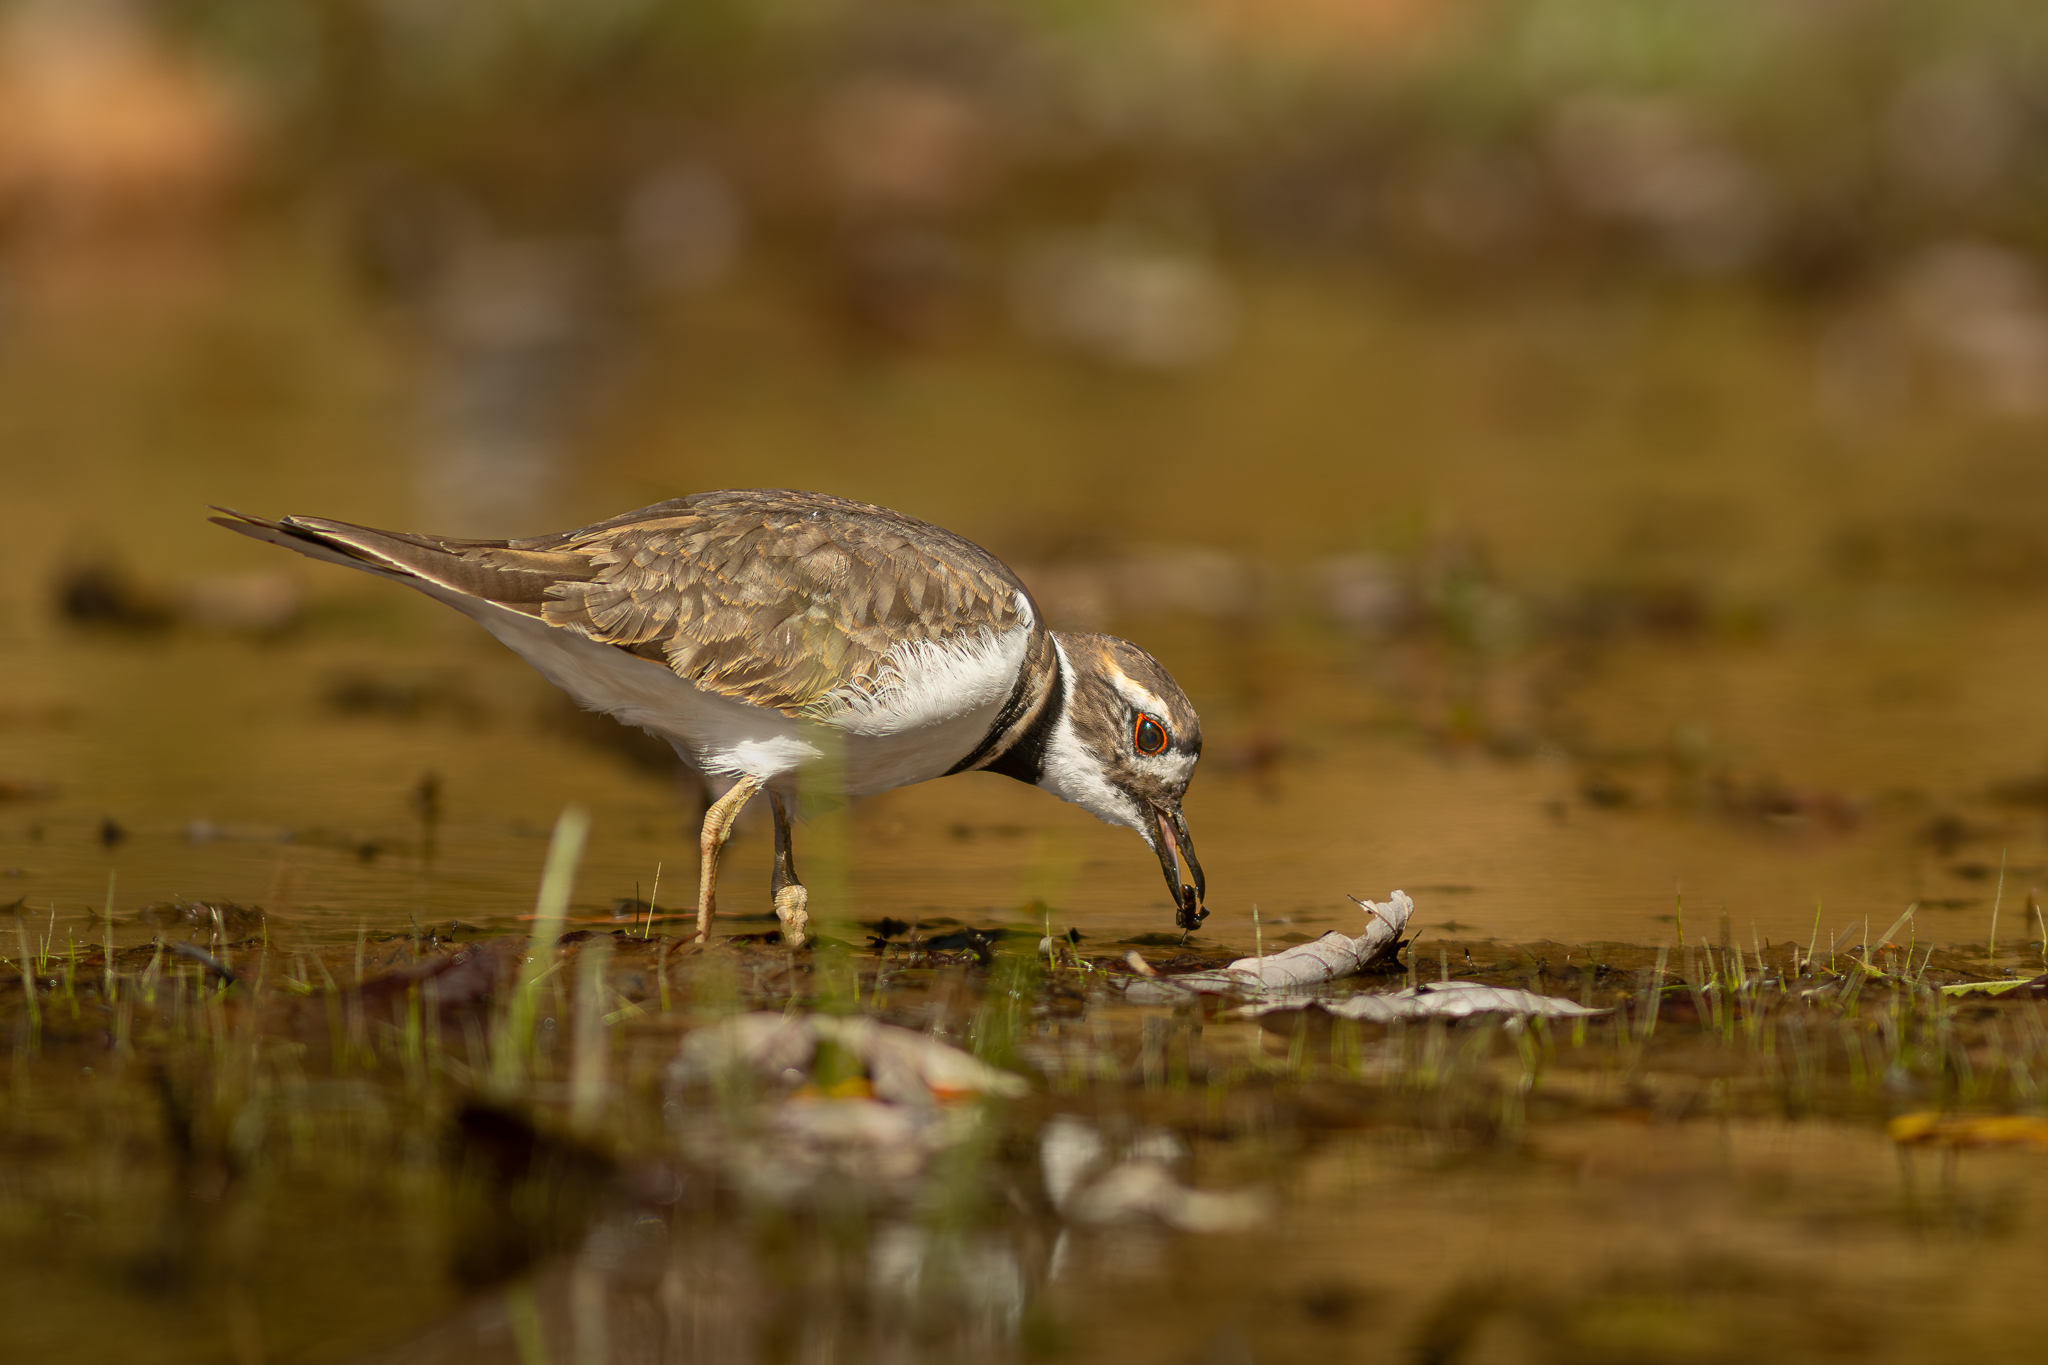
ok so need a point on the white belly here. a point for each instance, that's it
(931, 709)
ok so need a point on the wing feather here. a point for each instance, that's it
(777, 598)
(784, 599)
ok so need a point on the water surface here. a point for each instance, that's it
(1661, 632)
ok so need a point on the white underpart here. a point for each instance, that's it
(936, 702)
(932, 704)
(1074, 774)
(922, 684)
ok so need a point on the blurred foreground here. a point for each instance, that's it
(453, 1148)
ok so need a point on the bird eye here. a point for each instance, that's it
(1148, 735)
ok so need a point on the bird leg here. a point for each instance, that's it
(717, 828)
(792, 901)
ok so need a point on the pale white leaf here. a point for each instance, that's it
(1437, 1000)
(1301, 967)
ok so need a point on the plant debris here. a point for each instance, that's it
(1969, 1130)
(1436, 1000)
(1301, 967)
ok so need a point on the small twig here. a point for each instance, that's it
(1369, 909)
(1897, 925)
(647, 932)
(2041, 925)
(28, 981)
(205, 959)
(1991, 947)
(107, 989)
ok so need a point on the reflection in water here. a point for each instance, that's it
(1567, 789)
(644, 1292)
(684, 228)
(108, 132)
(1426, 1214)
(1568, 698)
(288, 776)
(512, 330)
(1118, 298)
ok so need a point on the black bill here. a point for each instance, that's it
(1175, 849)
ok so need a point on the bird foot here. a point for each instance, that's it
(792, 907)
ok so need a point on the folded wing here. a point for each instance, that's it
(782, 599)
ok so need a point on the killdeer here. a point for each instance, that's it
(801, 644)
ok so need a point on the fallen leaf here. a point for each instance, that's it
(1981, 987)
(1437, 1000)
(2035, 987)
(1147, 1189)
(1965, 1130)
(1305, 965)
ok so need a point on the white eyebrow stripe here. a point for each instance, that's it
(1143, 699)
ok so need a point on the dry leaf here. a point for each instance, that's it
(1437, 1000)
(1088, 1188)
(1966, 1130)
(1305, 965)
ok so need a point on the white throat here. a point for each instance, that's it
(1074, 774)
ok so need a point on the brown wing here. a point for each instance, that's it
(775, 597)
(770, 596)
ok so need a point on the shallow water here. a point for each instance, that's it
(1605, 1240)
(1632, 666)
(1664, 643)
(230, 779)
(290, 1172)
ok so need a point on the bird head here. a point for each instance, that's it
(1124, 747)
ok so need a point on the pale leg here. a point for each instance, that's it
(792, 901)
(717, 827)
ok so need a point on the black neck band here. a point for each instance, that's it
(1025, 758)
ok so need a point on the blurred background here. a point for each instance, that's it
(1574, 452)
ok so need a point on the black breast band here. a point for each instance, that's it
(1024, 759)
